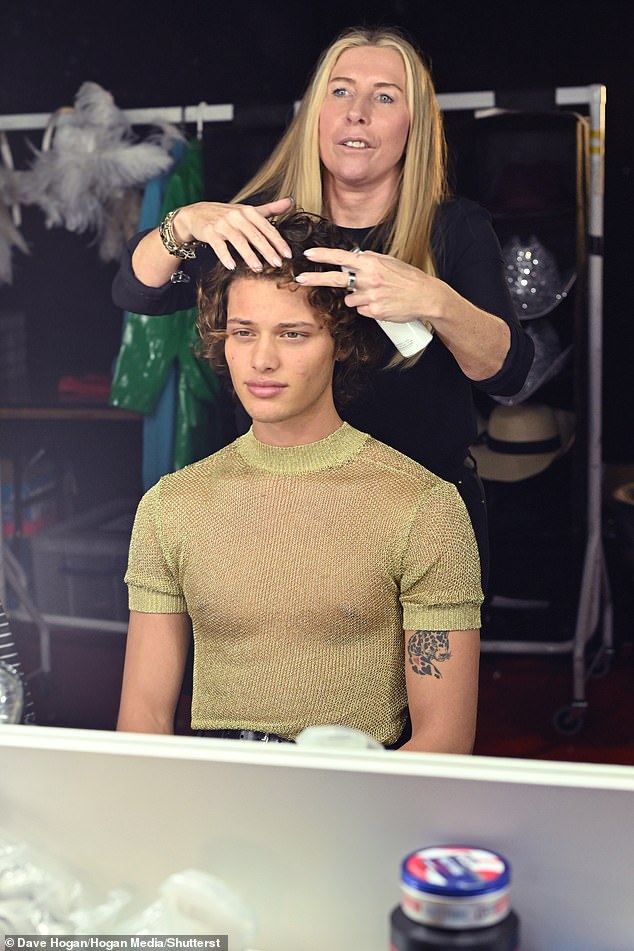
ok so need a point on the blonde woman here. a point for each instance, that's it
(367, 149)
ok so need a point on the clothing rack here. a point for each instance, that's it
(594, 599)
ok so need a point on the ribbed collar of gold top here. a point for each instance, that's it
(335, 450)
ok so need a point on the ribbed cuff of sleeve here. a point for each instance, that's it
(155, 602)
(450, 617)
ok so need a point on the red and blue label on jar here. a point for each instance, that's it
(449, 889)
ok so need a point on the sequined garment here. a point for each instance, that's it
(300, 567)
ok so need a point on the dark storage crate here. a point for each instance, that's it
(78, 565)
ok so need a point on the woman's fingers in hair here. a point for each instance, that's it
(347, 259)
(340, 279)
(350, 271)
(324, 279)
(243, 229)
(247, 231)
(271, 210)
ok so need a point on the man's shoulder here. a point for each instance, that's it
(399, 466)
(196, 473)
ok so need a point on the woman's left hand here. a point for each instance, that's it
(383, 287)
(388, 289)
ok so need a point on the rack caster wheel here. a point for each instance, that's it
(568, 721)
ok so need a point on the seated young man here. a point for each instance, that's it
(325, 577)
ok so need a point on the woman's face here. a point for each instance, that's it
(364, 119)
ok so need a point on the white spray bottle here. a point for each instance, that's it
(408, 338)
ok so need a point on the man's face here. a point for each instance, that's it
(281, 358)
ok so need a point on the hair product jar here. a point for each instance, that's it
(454, 897)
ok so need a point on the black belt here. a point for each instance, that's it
(245, 735)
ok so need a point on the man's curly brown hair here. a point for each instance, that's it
(356, 345)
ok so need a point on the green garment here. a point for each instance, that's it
(151, 345)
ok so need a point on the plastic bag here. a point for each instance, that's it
(40, 896)
(194, 902)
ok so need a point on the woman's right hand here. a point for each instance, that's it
(245, 227)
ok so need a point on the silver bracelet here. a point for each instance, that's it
(180, 249)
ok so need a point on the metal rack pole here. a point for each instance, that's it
(595, 596)
(202, 112)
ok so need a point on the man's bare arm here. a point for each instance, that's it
(156, 653)
(441, 674)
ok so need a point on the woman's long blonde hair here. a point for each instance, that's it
(294, 167)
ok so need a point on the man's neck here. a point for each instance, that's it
(286, 434)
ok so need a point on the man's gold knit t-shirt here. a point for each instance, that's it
(300, 568)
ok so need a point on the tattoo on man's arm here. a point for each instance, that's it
(425, 647)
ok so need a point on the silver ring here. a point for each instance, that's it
(352, 281)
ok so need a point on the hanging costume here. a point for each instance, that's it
(158, 352)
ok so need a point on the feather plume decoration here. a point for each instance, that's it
(91, 169)
(10, 236)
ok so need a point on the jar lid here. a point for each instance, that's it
(455, 871)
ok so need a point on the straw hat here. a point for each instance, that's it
(522, 441)
(624, 493)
